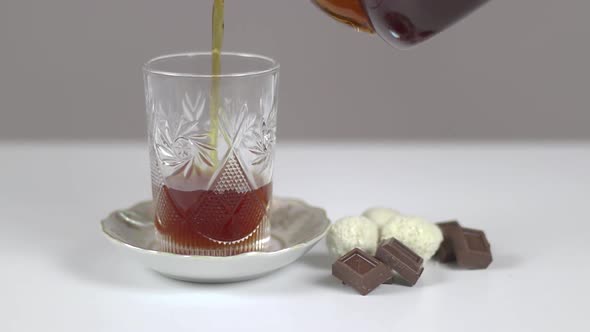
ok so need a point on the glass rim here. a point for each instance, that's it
(148, 67)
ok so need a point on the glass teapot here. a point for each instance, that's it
(401, 23)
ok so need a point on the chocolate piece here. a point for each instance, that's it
(472, 249)
(446, 253)
(361, 271)
(401, 259)
(468, 247)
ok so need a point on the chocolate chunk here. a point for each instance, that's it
(401, 259)
(472, 249)
(468, 247)
(446, 253)
(361, 271)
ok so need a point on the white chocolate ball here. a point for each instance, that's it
(423, 237)
(380, 215)
(352, 232)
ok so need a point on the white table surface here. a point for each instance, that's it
(59, 274)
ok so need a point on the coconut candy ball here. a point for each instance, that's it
(380, 215)
(352, 232)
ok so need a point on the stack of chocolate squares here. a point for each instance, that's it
(396, 263)
(468, 247)
(393, 261)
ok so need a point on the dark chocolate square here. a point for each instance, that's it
(361, 271)
(472, 249)
(401, 259)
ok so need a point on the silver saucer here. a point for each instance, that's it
(295, 228)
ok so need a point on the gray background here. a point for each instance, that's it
(515, 70)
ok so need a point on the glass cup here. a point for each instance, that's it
(211, 142)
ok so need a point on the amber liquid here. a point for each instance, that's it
(213, 222)
(401, 23)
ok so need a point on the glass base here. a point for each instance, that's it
(259, 240)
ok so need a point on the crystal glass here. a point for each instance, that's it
(211, 141)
